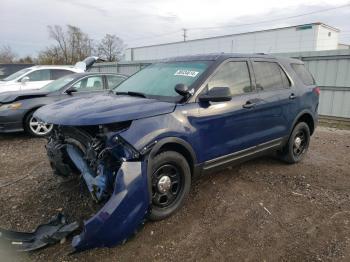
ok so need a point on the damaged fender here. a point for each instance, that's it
(124, 212)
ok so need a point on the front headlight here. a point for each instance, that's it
(12, 106)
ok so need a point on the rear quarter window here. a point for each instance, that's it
(304, 75)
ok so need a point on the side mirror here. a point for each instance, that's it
(25, 79)
(71, 90)
(182, 90)
(216, 94)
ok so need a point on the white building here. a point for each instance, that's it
(308, 37)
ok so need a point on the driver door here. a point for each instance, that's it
(228, 127)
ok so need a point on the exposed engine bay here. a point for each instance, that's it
(114, 173)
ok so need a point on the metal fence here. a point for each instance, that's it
(331, 70)
(126, 68)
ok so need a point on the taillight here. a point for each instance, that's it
(317, 90)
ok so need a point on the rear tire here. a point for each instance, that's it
(171, 183)
(297, 145)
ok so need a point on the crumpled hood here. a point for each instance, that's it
(9, 97)
(101, 109)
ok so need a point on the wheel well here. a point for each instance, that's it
(307, 118)
(179, 149)
(26, 115)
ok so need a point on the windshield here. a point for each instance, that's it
(58, 84)
(17, 74)
(158, 80)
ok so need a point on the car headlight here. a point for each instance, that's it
(12, 106)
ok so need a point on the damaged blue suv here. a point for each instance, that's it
(138, 149)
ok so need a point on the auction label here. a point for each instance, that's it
(186, 73)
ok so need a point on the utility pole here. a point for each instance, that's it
(184, 34)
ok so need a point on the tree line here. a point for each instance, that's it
(70, 45)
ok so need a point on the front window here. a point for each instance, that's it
(235, 76)
(58, 84)
(39, 75)
(114, 81)
(159, 80)
(16, 75)
(92, 83)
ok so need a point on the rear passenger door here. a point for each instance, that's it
(276, 106)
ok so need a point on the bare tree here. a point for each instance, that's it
(7, 56)
(111, 48)
(71, 46)
(26, 60)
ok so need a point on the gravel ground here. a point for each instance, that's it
(262, 210)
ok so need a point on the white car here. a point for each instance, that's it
(36, 77)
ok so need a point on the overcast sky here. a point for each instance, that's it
(23, 23)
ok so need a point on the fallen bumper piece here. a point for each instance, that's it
(122, 215)
(45, 234)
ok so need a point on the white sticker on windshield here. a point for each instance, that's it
(186, 73)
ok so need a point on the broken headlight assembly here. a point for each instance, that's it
(120, 148)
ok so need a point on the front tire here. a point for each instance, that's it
(36, 128)
(297, 145)
(171, 183)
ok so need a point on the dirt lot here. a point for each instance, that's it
(262, 210)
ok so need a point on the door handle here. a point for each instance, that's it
(292, 96)
(248, 105)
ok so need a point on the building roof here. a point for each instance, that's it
(250, 32)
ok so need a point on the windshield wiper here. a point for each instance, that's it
(132, 93)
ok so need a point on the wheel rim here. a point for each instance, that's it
(38, 127)
(167, 184)
(300, 143)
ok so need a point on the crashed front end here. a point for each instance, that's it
(115, 174)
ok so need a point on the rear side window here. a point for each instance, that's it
(270, 76)
(58, 73)
(303, 74)
(234, 75)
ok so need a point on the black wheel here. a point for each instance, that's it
(171, 183)
(35, 127)
(298, 144)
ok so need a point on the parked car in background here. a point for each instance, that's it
(139, 149)
(36, 77)
(9, 69)
(17, 108)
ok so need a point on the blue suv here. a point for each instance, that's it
(139, 148)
